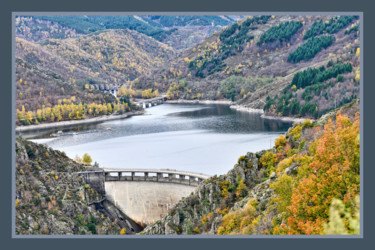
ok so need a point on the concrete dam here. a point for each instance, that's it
(145, 195)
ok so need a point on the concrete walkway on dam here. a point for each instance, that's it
(145, 195)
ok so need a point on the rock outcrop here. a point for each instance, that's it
(214, 196)
(51, 198)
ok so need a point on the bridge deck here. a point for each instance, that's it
(157, 171)
(140, 100)
(150, 175)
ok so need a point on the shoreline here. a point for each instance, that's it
(182, 101)
(242, 108)
(269, 117)
(94, 120)
(62, 124)
(284, 118)
(246, 109)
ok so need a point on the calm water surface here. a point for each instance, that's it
(199, 138)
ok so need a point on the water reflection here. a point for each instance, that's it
(200, 138)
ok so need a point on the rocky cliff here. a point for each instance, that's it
(51, 198)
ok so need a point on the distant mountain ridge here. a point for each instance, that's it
(36, 28)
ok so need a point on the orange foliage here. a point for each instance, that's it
(334, 173)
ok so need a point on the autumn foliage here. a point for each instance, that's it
(315, 192)
(333, 173)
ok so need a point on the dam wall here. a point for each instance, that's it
(145, 201)
(144, 195)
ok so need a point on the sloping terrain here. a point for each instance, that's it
(179, 32)
(33, 29)
(297, 187)
(253, 62)
(54, 71)
(267, 49)
(85, 25)
(51, 198)
(105, 57)
(37, 87)
(300, 66)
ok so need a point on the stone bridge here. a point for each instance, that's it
(145, 195)
(146, 103)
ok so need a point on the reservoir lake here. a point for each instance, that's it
(197, 138)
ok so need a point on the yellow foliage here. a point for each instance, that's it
(204, 219)
(284, 164)
(343, 221)
(56, 177)
(237, 70)
(268, 159)
(358, 52)
(296, 132)
(222, 211)
(123, 231)
(357, 77)
(307, 123)
(196, 230)
(280, 141)
(240, 221)
(86, 158)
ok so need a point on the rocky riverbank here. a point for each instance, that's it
(63, 124)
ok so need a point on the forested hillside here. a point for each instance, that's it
(308, 183)
(113, 56)
(268, 50)
(252, 62)
(59, 79)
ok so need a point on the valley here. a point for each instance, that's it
(275, 95)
